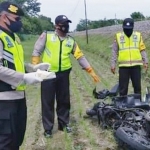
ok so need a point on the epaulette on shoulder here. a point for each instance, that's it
(50, 31)
(71, 37)
(137, 31)
(119, 32)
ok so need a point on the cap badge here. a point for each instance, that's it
(13, 8)
(128, 24)
(64, 17)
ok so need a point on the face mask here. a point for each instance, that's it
(128, 32)
(14, 26)
(64, 28)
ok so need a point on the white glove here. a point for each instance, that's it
(42, 66)
(31, 78)
(45, 74)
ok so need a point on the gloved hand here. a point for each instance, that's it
(31, 78)
(113, 69)
(45, 74)
(93, 74)
(34, 67)
(41, 66)
(35, 60)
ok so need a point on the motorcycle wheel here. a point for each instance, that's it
(132, 138)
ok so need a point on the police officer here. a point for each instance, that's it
(56, 47)
(13, 111)
(129, 50)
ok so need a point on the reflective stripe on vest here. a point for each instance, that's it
(13, 56)
(57, 52)
(129, 53)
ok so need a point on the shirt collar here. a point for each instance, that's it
(8, 32)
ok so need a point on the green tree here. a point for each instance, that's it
(137, 16)
(36, 25)
(96, 24)
(82, 25)
(46, 23)
(31, 7)
(32, 22)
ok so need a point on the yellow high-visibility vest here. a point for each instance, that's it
(57, 52)
(13, 56)
(129, 52)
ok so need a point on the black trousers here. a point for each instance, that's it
(13, 115)
(58, 89)
(127, 73)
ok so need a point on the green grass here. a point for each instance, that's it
(87, 134)
(28, 46)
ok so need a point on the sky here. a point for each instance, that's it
(95, 9)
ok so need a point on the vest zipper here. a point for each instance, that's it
(60, 53)
(130, 52)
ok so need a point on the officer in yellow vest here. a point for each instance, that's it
(13, 111)
(55, 48)
(129, 50)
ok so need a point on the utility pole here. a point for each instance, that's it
(115, 20)
(86, 22)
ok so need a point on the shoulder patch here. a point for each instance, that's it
(9, 43)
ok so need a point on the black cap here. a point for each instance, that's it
(62, 19)
(128, 23)
(11, 8)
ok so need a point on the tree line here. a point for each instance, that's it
(137, 16)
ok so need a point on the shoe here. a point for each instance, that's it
(65, 128)
(48, 134)
(68, 129)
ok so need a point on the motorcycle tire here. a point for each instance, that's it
(133, 138)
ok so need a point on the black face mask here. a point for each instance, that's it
(128, 32)
(64, 28)
(14, 26)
